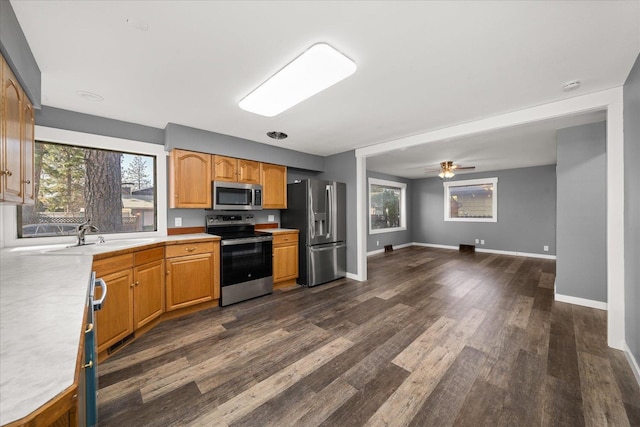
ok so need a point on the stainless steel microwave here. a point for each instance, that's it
(236, 196)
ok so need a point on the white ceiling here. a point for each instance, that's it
(421, 66)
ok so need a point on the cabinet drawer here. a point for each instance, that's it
(112, 264)
(189, 249)
(148, 255)
(285, 238)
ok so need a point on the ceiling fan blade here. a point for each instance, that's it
(456, 167)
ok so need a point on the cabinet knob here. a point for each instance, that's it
(88, 365)
(28, 182)
(132, 285)
(137, 283)
(190, 249)
(167, 272)
(6, 172)
(89, 328)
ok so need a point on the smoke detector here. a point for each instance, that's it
(572, 85)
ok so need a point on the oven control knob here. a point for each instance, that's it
(249, 275)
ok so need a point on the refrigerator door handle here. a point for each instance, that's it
(329, 207)
(329, 247)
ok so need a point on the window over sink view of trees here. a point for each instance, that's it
(73, 184)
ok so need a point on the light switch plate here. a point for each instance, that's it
(271, 218)
(178, 222)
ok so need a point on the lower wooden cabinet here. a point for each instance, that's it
(115, 320)
(149, 287)
(285, 258)
(192, 278)
(135, 294)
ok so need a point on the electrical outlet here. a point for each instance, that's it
(271, 218)
(178, 221)
(546, 248)
(482, 242)
(377, 242)
(477, 241)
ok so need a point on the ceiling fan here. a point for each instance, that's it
(448, 168)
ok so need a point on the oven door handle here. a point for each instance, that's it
(247, 240)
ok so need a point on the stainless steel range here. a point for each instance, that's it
(246, 258)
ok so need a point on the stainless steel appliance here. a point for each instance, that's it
(246, 258)
(318, 209)
(88, 412)
(236, 196)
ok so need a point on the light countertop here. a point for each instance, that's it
(43, 293)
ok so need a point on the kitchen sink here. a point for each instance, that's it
(89, 249)
(109, 245)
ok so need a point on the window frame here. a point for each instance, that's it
(447, 196)
(67, 137)
(403, 205)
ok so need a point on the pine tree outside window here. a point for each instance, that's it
(115, 190)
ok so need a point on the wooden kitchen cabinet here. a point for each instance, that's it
(193, 274)
(274, 186)
(189, 179)
(115, 320)
(231, 169)
(149, 289)
(135, 294)
(285, 257)
(16, 140)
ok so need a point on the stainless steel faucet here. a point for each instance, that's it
(82, 230)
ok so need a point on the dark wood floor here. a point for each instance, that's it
(433, 338)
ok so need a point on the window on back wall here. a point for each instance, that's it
(116, 190)
(473, 200)
(387, 201)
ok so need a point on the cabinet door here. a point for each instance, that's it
(190, 280)
(248, 171)
(148, 293)
(28, 148)
(11, 179)
(190, 180)
(285, 262)
(115, 320)
(274, 186)
(225, 168)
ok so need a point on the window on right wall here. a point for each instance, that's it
(472, 200)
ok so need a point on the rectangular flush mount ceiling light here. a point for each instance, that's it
(315, 70)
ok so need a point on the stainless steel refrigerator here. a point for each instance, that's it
(318, 209)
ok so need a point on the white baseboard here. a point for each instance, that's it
(632, 362)
(581, 301)
(379, 251)
(432, 245)
(491, 251)
(354, 277)
(525, 254)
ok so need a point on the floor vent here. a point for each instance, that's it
(388, 248)
(467, 249)
(120, 343)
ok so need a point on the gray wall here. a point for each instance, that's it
(581, 267)
(196, 217)
(87, 123)
(178, 136)
(378, 241)
(16, 51)
(526, 212)
(632, 209)
(342, 167)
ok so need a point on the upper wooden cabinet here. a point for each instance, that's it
(16, 140)
(189, 179)
(274, 186)
(231, 169)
